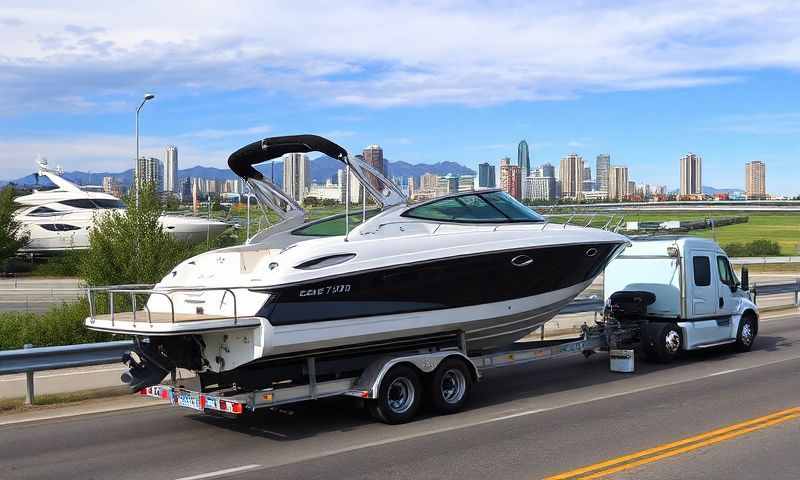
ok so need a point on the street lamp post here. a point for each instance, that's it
(147, 96)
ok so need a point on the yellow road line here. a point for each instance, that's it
(626, 462)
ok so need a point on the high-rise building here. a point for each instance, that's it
(110, 185)
(523, 158)
(601, 167)
(148, 171)
(511, 178)
(446, 185)
(171, 169)
(186, 189)
(541, 188)
(466, 183)
(373, 156)
(691, 174)
(545, 170)
(631, 188)
(588, 185)
(428, 181)
(755, 180)
(571, 176)
(486, 176)
(411, 187)
(617, 183)
(296, 175)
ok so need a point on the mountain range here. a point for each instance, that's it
(322, 168)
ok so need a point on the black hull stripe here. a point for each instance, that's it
(444, 284)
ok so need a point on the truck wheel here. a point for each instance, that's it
(663, 342)
(399, 396)
(747, 334)
(449, 386)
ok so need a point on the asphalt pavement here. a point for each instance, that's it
(531, 421)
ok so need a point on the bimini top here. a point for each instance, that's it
(242, 160)
(380, 188)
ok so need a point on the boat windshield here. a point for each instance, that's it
(489, 207)
(333, 225)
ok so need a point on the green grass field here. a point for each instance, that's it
(783, 228)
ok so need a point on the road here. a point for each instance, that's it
(524, 422)
(37, 295)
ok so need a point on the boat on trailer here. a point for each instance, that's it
(479, 266)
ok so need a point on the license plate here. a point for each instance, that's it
(189, 400)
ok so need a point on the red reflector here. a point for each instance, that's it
(143, 391)
(164, 393)
(237, 408)
(365, 394)
(202, 402)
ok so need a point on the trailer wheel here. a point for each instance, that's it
(663, 342)
(449, 386)
(399, 396)
(747, 334)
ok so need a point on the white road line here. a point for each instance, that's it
(220, 472)
(725, 372)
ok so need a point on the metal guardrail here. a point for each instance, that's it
(763, 260)
(30, 360)
(777, 289)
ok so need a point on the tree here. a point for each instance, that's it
(132, 247)
(12, 237)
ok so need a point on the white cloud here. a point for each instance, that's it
(88, 56)
(787, 123)
(216, 134)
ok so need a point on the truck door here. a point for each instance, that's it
(705, 325)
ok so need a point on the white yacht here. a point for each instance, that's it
(480, 263)
(61, 218)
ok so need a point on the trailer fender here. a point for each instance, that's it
(369, 382)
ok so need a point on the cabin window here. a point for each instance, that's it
(43, 211)
(78, 203)
(59, 227)
(108, 203)
(702, 271)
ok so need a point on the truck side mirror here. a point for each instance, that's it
(745, 278)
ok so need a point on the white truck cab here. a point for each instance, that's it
(694, 298)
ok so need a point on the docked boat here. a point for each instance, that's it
(478, 263)
(61, 218)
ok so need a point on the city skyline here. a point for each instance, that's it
(625, 86)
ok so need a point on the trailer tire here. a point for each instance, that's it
(746, 336)
(399, 396)
(449, 386)
(663, 342)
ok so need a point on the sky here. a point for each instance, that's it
(645, 81)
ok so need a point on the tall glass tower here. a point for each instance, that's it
(523, 158)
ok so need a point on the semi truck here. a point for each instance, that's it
(661, 296)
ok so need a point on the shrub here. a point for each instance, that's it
(756, 248)
(132, 248)
(61, 325)
(12, 238)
